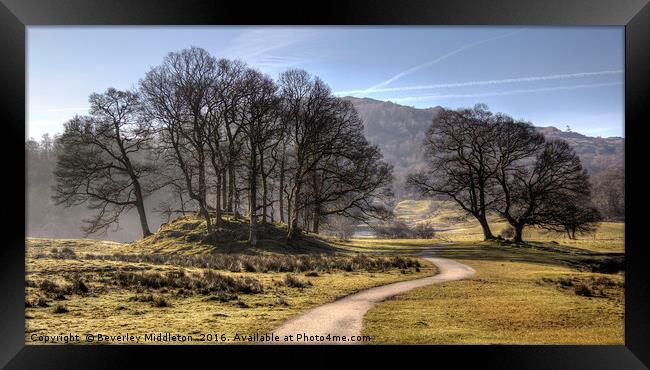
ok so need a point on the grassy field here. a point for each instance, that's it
(506, 303)
(543, 293)
(550, 291)
(452, 225)
(186, 288)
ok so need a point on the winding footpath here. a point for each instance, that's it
(344, 317)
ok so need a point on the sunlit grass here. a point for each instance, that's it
(453, 225)
(504, 303)
(512, 299)
(112, 310)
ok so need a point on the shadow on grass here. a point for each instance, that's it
(535, 252)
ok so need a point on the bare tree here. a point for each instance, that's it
(355, 183)
(229, 96)
(461, 161)
(102, 160)
(306, 105)
(179, 96)
(333, 168)
(573, 214)
(541, 192)
(609, 193)
(221, 132)
(259, 121)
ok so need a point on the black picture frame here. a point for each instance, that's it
(16, 15)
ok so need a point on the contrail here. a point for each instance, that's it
(499, 93)
(486, 82)
(428, 64)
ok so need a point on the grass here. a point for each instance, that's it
(549, 291)
(504, 303)
(187, 235)
(546, 292)
(193, 287)
(110, 309)
(453, 225)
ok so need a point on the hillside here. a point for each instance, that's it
(187, 235)
(399, 130)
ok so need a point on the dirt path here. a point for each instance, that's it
(344, 317)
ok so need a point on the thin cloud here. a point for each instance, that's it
(486, 82)
(259, 42)
(500, 93)
(269, 47)
(438, 60)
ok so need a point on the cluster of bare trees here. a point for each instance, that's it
(492, 164)
(222, 138)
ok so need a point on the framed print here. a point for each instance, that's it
(452, 180)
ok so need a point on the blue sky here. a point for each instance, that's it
(548, 75)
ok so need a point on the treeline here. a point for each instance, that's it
(221, 138)
(493, 164)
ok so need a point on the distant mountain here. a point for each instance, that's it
(399, 130)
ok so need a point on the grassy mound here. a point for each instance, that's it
(188, 235)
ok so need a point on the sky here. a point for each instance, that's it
(559, 76)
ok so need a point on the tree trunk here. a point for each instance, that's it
(235, 207)
(264, 190)
(293, 227)
(487, 233)
(316, 220)
(203, 194)
(231, 187)
(252, 198)
(289, 210)
(281, 191)
(293, 216)
(206, 215)
(217, 210)
(142, 213)
(224, 192)
(519, 230)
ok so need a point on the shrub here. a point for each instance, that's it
(281, 301)
(222, 297)
(63, 253)
(266, 263)
(423, 230)
(205, 282)
(294, 282)
(59, 308)
(78, 286)
(507, 232)
(42, 302)
(160, 302)
(142, 298)
(393, 230)
(584, 290)
(53, 289)
(400, 230)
